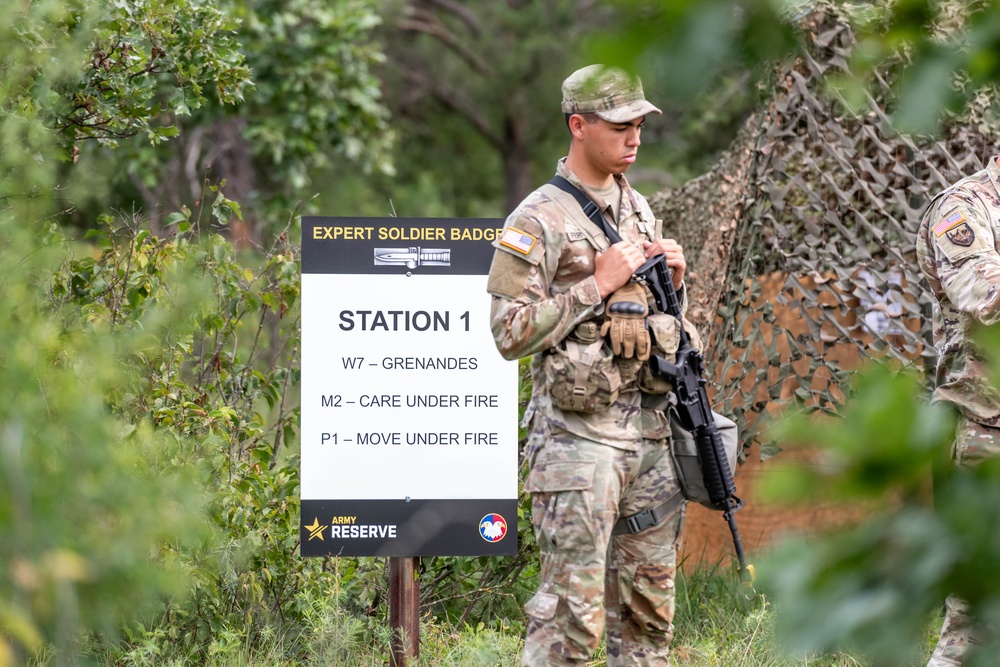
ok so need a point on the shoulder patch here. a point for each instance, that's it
(961, 235)
(518, 240)
(961, 232)
(953, 219)
(509, 275)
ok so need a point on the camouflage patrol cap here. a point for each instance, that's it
(608, 92)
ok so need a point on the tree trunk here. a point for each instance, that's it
(518, 179)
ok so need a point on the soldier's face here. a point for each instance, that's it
(611, 148)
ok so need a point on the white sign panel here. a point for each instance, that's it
(409, 413)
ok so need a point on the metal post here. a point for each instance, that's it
(404, 610)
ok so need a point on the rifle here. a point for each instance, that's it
(687, 376)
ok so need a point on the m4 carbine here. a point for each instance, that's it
(693, 409)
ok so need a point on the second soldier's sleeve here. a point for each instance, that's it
(960, 235)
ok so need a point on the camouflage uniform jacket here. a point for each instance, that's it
(958, 250)
(544, 287)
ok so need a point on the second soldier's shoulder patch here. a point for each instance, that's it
(961, 235)
(960, 232)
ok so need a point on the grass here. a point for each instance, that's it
(718, 624)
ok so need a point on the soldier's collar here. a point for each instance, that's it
(993, 169)
(568, 174)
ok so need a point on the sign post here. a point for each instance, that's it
(409, 414)
(404, 610)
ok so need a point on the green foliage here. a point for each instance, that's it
(150, 60)
(217, 370)
(468, 645)
(689, 45)
(337, 637)
(874, 585)
(92, 507)
(945, 51)
(98, 70)
(485, 590)
(717, 623)
(37, 49)
(424, 183)
(134, 73)
(134, 63)
(315, 108)
(316, 102)
(881, 444)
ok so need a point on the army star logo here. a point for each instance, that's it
(962, 235)
(315, 530)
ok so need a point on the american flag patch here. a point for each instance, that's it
(949, 222)
(517, 240)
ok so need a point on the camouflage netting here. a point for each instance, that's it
(800, 241)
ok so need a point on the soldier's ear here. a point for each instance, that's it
(576, 123)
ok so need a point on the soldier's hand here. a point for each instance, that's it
(675, 258)
(625, 323)
(614, 267)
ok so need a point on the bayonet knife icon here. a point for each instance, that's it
(413, 256)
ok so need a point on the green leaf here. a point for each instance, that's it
(175, 218)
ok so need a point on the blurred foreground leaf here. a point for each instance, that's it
(874, 586)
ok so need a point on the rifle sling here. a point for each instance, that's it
(639, 522)
(591, 210)
(587, 204)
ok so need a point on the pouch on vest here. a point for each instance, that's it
(663, 329)
(582, 377)
(684, 452)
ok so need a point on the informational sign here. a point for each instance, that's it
(409, 413)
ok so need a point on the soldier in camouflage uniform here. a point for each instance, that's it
(958, 249)
(598, 439)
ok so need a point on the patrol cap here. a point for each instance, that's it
(606, 91)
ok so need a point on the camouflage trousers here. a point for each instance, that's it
(974, 443)
(590, 577)
(957, 634)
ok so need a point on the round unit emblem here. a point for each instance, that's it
(492, 527)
